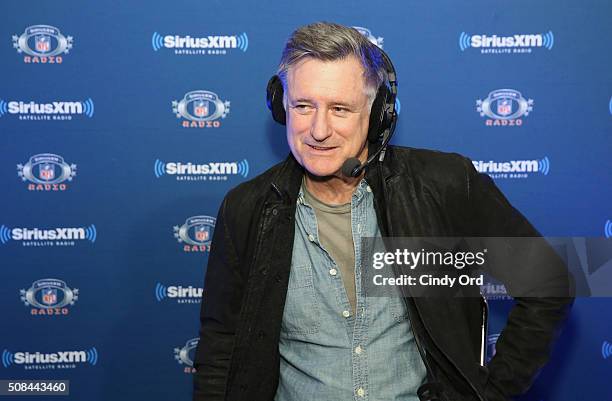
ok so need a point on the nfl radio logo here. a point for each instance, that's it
(200, 108)
(202, 233)
(49, 296)
(504, 107)
(47, 172)
(43, 43)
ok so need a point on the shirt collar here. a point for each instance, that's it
(362, 189)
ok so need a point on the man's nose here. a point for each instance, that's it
(321, 129)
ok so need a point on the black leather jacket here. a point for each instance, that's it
(428, 193)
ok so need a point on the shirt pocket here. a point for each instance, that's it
(301, 316)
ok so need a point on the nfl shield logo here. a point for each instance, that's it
(200, 108)
(47, 172)
(43, 43)
(504, 107)
(202, 233)
(49, 296)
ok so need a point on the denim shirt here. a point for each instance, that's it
(327, 352)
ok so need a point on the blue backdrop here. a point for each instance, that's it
(123, 124)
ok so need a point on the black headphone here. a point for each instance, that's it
(383, 115)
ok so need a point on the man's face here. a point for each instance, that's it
(327, 114)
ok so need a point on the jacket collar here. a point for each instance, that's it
(286, 182)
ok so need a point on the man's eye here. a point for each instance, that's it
(302, 107)
(339, 109)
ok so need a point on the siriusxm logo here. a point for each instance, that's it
(46, 172)
(200, 109)
(205, 45)
(491, 341)
(608, 229)
(378, 41)
(182, 295)
(185, 354)
(48, 237)
(46, 111)
(517, 43)
(504, 107)
(513, 168)
(606, 350)
(42, 44)
(495, 291)
(49, 296)
(201, 172)
(195, 233)
(59, 360)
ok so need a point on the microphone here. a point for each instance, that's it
(352, 167)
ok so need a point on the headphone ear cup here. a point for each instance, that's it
(274, 100)
(379, 119)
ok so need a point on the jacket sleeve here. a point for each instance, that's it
(525, 344)
(219, 315)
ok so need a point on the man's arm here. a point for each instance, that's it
(219, 316)
(525, 344)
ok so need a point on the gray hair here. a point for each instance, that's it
(329, 42)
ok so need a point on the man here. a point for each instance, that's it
(284, 316)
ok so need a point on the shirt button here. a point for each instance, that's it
(346, 313)
(311, 238)
(333, 272)
(360, 392)
(358, 350)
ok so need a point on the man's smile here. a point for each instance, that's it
(321, 148)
